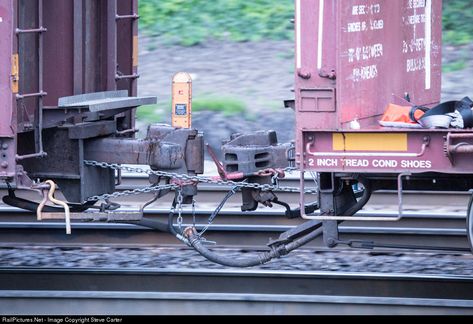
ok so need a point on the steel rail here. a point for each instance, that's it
(203, 291)
(236, 229)
(243, 228)
(131, 181)
(447, 229)
(5, 211)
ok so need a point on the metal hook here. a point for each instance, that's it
(41, 205)
(50, 196)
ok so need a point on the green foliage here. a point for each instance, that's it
(189, 22)
(455, 66)
(226, 105)
(149, 113)
(229, 106)
(457, 21)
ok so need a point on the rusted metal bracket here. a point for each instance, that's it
(22, 179)
(164, 148)
(304, 74)
(34, 30)
(257, 157)
(253, 152)
(329, 75)
(458, 148)
(133, 16)
(354, 218)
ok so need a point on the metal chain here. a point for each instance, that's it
(193, 211)
(179, 209)
(217, 210)
(183, 177)
(137, 191)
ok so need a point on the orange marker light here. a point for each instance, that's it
(182, 100)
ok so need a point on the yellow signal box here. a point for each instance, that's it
(182, 100)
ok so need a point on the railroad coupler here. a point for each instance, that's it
(165, 148)
(258, 158)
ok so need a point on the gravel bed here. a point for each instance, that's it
(174, 258)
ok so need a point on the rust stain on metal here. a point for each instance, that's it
(15, 73)
(153, 145)
(135, 51)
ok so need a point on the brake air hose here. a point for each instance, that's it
(261, 258)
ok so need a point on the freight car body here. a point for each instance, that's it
(353, 59)
(68, 86)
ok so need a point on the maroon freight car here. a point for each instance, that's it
(353, 60)
(68, 83)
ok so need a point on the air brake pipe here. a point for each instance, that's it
(195, 241)
(170, 227)
(364, 198)
(146, 222)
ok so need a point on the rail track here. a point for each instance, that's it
(203, 291)
(445, 226)
(211, 193)
(233, 228)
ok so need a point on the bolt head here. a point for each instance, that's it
(4, 164)
(4, 146)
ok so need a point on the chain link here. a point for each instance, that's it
(193, 212)
(183, 177)
(179, 209)
(136, 191)
(217, 210)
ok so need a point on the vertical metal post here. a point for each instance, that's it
(132, 68)
(39, 145)
(8, 62)
(134, 17)
(8, 86)
(8, 77)
(134, 81)
(111, 45)
(40, 93)
(78, 83)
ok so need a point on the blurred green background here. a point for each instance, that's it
(190, 22)
(458, 21)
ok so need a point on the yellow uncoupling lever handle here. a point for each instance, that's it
(50, 196)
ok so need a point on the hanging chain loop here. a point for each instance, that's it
(184, 178)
